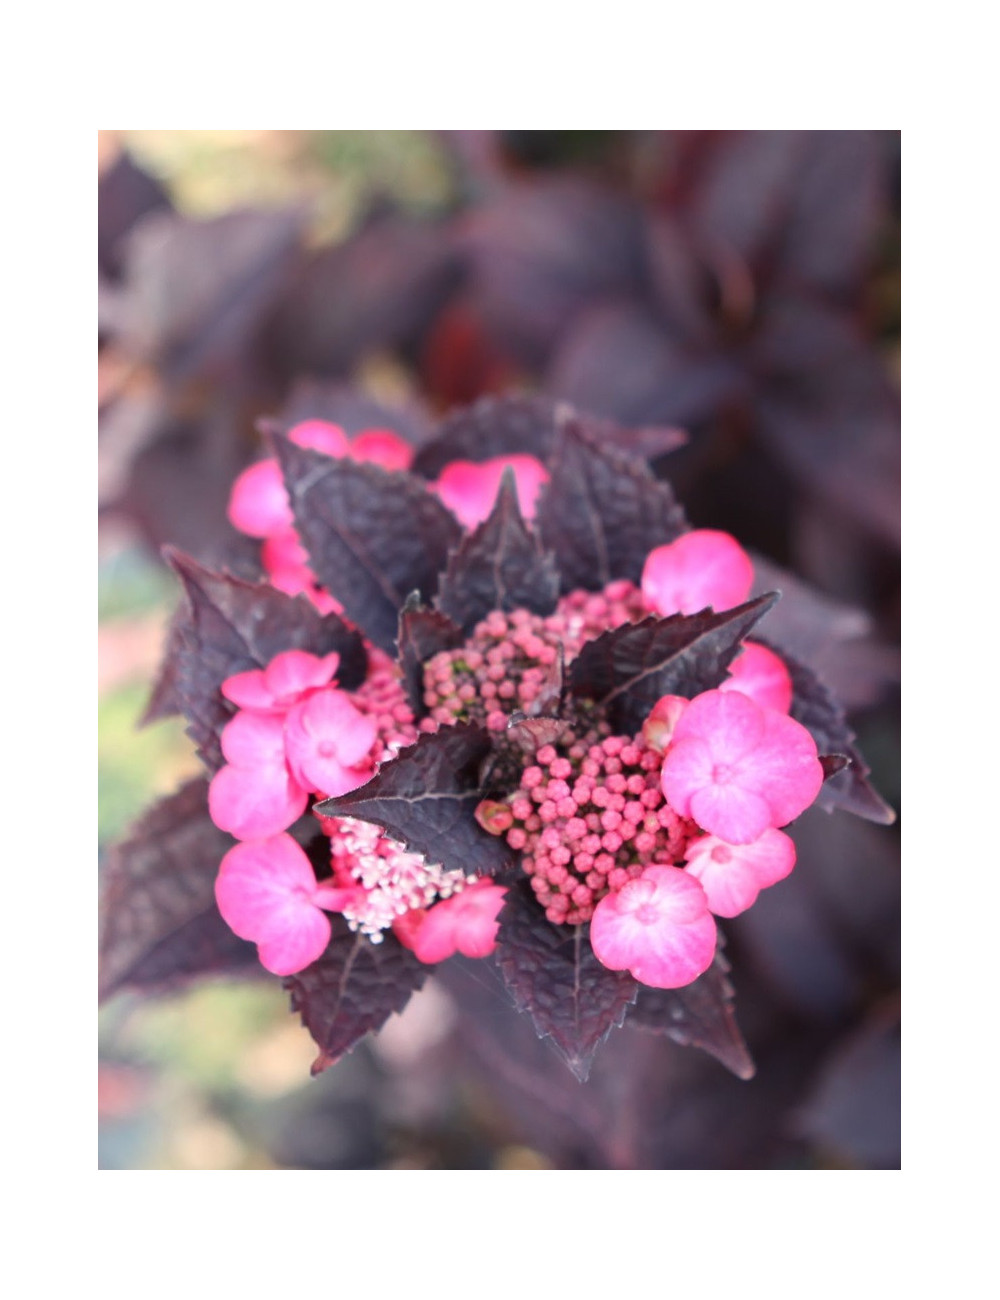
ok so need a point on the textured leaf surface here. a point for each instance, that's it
(426, 797)
(629, 668)
(551, 972)
(160, 923)
(602, 513)
(423, 633)
(231, 626)
(815, 707)
(373, 536)
(499, 565)
(699, 1015)
(507, 426)
(352, 989)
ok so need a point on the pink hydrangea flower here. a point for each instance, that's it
(326, 742)
(466, 923)
(658, 927)
(266, 892)
(732, 875)
(289, 676)
(701, 568)
(255, 795)
(761, 674)
(469, 489)
(738, 769)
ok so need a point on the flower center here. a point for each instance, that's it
(722, 853)
(723, 773)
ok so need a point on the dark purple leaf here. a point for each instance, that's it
(854, 1112)
(373, 537)
(602, 512)
(426, 798)
(160, 924)
(551, 972)
(499, 565)
(832, 764)
(197, 290)
(125, 193)
(699, 1015)
(530, 734)
(815, 707)
(541, 252)
(352, 989)
(423, 633)
(507, 426)
(230, 626)
(622, 362)
(826, 407)
(628, 669)
(379, 290)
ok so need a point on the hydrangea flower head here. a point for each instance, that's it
(738, 769)
(703, 568)
(267, 892)
(658, 927)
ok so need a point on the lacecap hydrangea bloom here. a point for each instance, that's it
(498, 701)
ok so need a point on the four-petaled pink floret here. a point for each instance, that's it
(267, 893)
(326, 742)
(466, 923)
(289, 676)
(732, 875)
(700, 569)
(469, 488)
(738, 769)
(255, 795)
(658, 927)
(761, 674)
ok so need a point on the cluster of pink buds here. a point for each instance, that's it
(259, 507)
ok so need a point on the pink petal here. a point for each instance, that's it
(382, 447)
(659, 727)
(258, 502)
(699, 569)
(265, 892)
(760, 673)
(731, 724)
(732, 875)
(687, 768)
(658, 927)
(469, 489)
(466, 923)
(326, 738)
(784, 769)
(320, 435)
(249, 690)
(293, 672)
(254, 740)
(253, 803)
(734, 814)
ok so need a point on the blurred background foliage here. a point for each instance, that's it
(744, 285)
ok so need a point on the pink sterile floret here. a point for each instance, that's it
(289, 676)
(466, 923)
(658, 927)
(699, 569)
(326, 741)
(738, 769)
(732, 875)
(320, 435)
(470, 489)
(382, 447)
(258, 502)
(255, 795)
(267, 892)
(759, 673)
